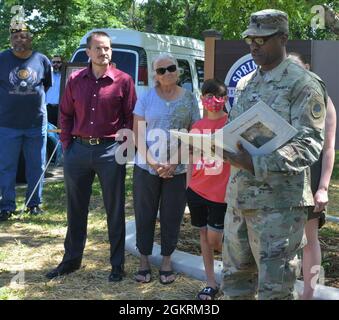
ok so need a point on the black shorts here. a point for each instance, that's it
(317, 215)
(205, 212)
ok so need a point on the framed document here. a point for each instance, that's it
(259, 129)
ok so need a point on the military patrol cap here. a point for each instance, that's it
(18, 27)
(267, 22)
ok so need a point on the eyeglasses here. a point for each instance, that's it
(260, 41)
(55, 62)
(170, 68)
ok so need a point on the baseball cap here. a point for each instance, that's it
(267, 22)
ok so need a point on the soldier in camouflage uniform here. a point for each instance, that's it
(268, 195)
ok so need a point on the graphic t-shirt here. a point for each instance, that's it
(22, 90)
(210, 175)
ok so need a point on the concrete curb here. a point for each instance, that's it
(332, 218)
(193, 266)
(183, 262)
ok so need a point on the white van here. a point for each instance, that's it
(133, 52)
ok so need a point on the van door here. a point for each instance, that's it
(192, 73)
(199, 67)
(192, 76)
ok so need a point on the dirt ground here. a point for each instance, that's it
(328, 237)
(31, 245)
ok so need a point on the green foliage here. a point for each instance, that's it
(335, 173)
(231, 16)
(58, 25)
(181, 17)
(2, 256)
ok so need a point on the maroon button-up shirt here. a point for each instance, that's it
(96, 108)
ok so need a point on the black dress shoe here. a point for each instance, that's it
(117, 274)
(63, 269)
(5, 214)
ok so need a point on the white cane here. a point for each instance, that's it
(41, 177)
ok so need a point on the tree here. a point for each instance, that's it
(190, 18)
(58, 26)
(181, 17)
(231, 16)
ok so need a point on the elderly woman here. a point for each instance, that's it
(159, 183)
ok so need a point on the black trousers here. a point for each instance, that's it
(81, 163)
(150, 191)
(52, 113)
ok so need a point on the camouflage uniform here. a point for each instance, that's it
(267, 211)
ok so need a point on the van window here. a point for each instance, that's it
(199, 65)
(185, 80)
(80, 56)
(124, 60)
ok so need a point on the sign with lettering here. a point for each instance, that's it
(239, 69)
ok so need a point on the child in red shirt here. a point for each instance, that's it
(207, 181)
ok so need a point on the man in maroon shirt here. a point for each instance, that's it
(98, 101)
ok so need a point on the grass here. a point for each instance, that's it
(335, 174)
(2, 256)
(35, 245)
(333, 207)
(329, 241)
(10, 294)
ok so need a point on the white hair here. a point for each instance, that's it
(164, 56)
(160, 57)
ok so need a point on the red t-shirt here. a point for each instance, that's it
(210, 176)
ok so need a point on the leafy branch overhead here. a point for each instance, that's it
(59, 25)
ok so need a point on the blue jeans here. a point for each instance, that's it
(33, 144)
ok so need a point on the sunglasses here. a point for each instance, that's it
(55, 62)
(259, 40)
(170, 68)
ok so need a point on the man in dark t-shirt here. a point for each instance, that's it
(25, 76)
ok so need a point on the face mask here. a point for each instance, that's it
(213, 104)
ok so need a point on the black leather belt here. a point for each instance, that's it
(93, 141)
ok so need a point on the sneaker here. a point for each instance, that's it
(5, 214)
(35, 210)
